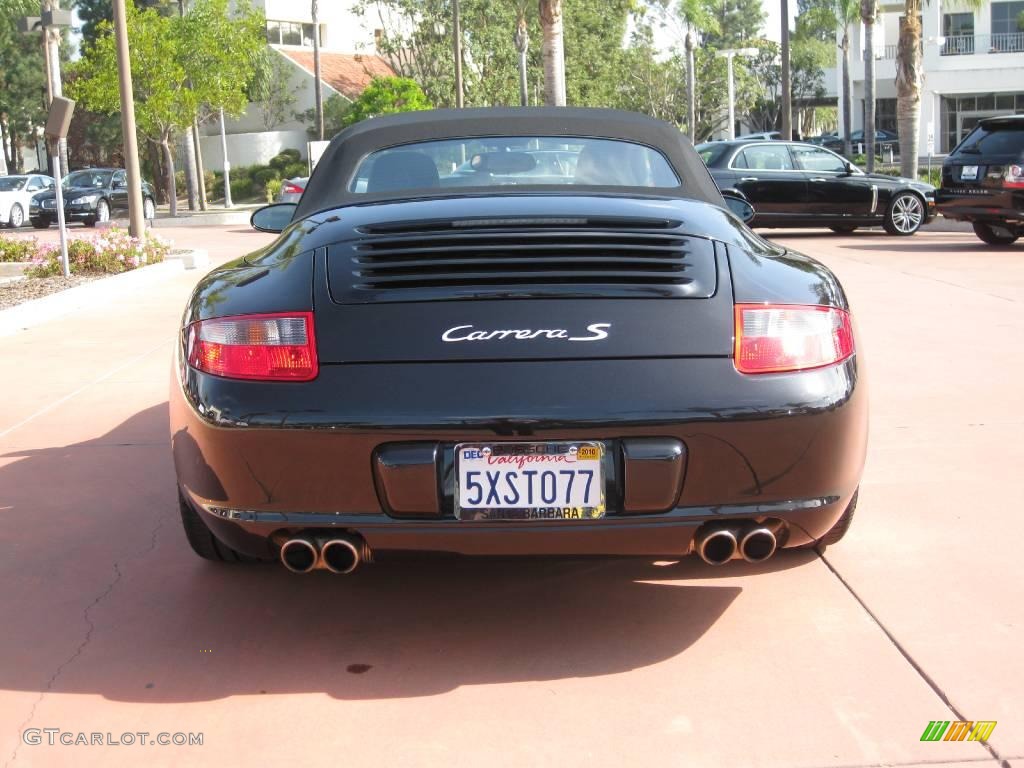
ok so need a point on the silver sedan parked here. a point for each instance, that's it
(292, 189)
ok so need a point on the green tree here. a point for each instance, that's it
(417, 43)
(208, 57)
(738, 22)
(92, 12)
(22, 81)
(385, 96)
(163, 103)
(273, 90)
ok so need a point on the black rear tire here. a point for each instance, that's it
(987, 234)
(203, 542)
(837, 531)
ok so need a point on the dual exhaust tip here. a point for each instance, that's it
(719, 544)
(338, 554)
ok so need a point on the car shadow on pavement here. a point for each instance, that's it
(102, 595)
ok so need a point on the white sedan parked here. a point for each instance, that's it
(16, 193)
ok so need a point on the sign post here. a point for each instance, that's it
(58, 120)
(930, 146)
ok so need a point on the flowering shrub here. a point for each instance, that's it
(17, 249)
(109, 253)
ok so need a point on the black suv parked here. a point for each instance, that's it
(983, 180)
(90, 196)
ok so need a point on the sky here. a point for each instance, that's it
(773, 22)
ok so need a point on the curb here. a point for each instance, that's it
(37, 311)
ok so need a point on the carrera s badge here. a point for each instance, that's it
(597, 331)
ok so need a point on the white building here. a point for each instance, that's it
(348, 64)
(973, 67)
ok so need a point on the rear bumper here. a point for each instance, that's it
(1000, 206)
(787, 449)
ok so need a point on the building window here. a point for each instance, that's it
(958, 29)
(959, 114)
(292, 33)
(1007, 29)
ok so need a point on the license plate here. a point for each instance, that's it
(969, 173)
(529, 481)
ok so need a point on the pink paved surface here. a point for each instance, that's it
(111, 624)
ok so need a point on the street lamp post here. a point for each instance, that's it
(50, 23)
(729, 54)
(136, 210)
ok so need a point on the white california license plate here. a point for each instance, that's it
(969, 172)
(529, 481)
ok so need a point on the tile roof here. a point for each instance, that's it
(347, 73)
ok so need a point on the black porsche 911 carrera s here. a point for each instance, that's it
(515, 332)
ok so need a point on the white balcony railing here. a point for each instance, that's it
(1000, 42)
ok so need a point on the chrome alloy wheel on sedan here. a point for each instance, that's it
(906, 213)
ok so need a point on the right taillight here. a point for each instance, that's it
(772, 338)
(1014, 178)
(292, 189)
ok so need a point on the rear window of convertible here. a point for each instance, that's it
(505, 161)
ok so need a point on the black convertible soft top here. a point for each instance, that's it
(329, 185)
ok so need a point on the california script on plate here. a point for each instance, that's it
(530, 481)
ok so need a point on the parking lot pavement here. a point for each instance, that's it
(111, 625)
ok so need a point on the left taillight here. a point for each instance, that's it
(774, 338)
(268, 347)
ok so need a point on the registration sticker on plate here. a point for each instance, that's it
(969, 173)
(529, 481)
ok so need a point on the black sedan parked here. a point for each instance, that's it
(90, 196)
(793, 184)
(607, 362)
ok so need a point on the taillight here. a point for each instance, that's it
(292, 189)
(272, 347)
(1014, 177)
(771, 338)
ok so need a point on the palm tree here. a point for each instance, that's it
(868, 13)
(318, 90)
(847, 12)
(909, 77)
(695, 18)
(552, 52)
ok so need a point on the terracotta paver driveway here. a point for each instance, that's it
(111, 625)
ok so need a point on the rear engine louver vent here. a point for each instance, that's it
(574, 257)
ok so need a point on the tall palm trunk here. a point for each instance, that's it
(908, 87)
(847, 92)
(318, 90)
(868, 13)
(552, 52)
(691, 87)
(522, 41)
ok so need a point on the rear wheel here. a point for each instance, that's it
(203, 542)
(837, 531)
(843, 229)
(993, 234)
(905, 214)
(17, 217)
